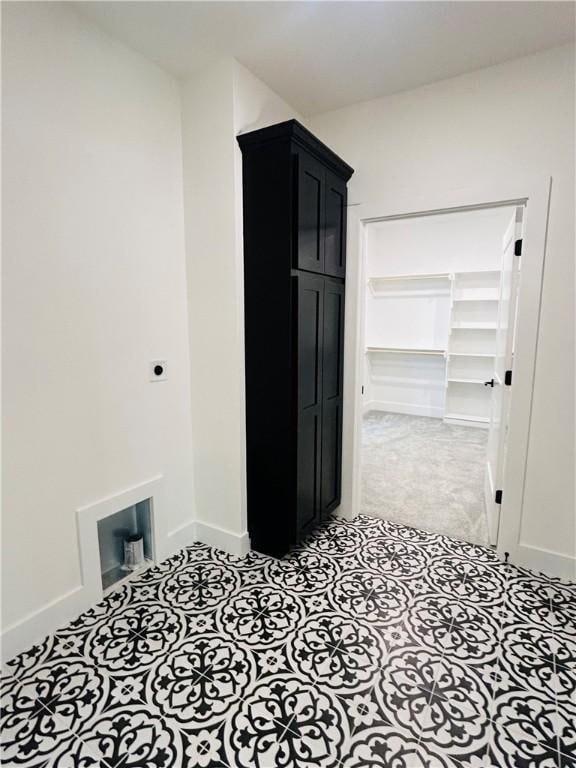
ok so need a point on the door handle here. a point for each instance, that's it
(489, 383)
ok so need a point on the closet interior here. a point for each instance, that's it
(433, 318)
(431, 315)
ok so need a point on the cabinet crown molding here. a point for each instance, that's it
(296, 132)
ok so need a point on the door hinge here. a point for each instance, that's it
(518, 247)
(498, 497)
(362, 388)
(508, 378)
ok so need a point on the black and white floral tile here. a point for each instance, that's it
(372, 645)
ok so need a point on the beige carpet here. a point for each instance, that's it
(421, 472)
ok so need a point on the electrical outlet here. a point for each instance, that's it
(158, 370)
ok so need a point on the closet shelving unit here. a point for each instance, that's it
(471, 343)
(471, 346)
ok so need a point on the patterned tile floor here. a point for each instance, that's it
(372, 645)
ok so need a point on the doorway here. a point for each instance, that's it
(438, 337)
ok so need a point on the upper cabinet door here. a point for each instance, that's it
(310, 213)
(335, 226)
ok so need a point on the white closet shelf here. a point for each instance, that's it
(475, 298)
(467, 417)
(391, 278)
(414, 286)
(467, 326)
(479, 272)
(407, 350)
(433, 275)
(465, 381)
(470, 354)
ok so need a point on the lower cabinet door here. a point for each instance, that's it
(332, 391)
(330, 486)
(309, 318)
(308, 486)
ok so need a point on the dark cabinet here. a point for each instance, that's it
(311, 213)
(294, 190)
(309, 350)
(334, 226)
(321, 218)
(332, 391)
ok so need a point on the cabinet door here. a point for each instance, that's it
(310, 213)
(332, 391)
(309, 314)
(335, 226)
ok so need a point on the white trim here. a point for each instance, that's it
(221, 538)
(181, 537)
(58, 612)
(435, 412)
(354, 359)
(36, 625)
(546, 561)
(535, 195)
(212, 535)
(54, 615)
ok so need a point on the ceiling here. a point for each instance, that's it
(323, 55)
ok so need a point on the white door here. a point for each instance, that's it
(503, 362)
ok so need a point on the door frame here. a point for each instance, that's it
(532, 193)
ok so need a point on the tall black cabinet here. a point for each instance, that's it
(294, 191)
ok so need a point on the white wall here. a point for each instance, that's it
(452, 242)
(217, 105)
(255, 105)
(94, 288)
(513, 120)
(207, 132)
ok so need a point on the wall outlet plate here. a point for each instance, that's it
(158, 370)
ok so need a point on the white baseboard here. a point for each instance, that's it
(343, 513)
(59, 612)
(180, 537)
(56, 614)
(545, 561)
(37, 625)
(408, 408)
(212, 535)
(221, 538)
